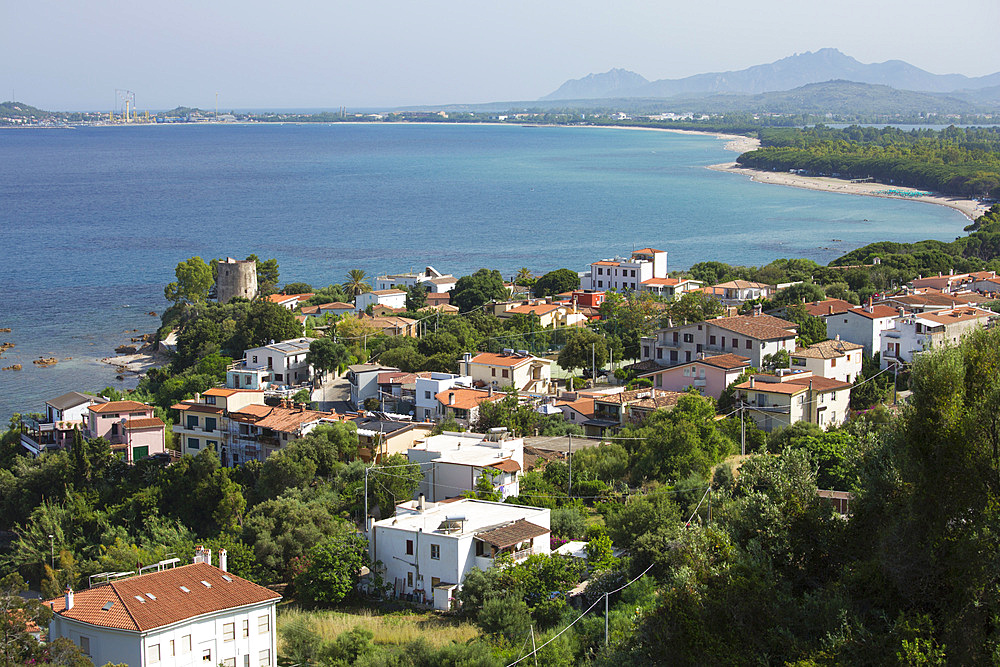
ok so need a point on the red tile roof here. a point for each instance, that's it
(537, 309)
(508, 465)
(762, 327)
(878, 312)
(163, 602)
(144, 422)
(827, 349)
(119, 406)
(646, 251)
(727, 361)
(821, 308)
(466, 399)
(493, 359)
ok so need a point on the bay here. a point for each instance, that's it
(93, 220)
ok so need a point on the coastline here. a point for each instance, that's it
(970, 208)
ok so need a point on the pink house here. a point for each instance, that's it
(709, 375)
(130, 427)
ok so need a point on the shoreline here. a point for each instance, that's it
(970, 208)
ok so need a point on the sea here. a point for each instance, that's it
(93, 220)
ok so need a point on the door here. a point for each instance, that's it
(140, 453)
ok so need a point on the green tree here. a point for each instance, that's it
(331, 568)
(267, 274)
(800, 293)
(356, 283)
(580, 347)
(326, 356)
(194, 279)
(265, 322)
(416, 297)
(556, 282)
(483, 286)
(398, 483)
(693, 307)
(297, 288)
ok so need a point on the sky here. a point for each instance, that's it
(72, 55)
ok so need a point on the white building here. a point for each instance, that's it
(363, 380)
(428, 386)
(431, 278)
(863, 325)
(915, 333)
(191, 615)
(393, 298)
(285, 362)
(454, 462)
(623, 275)
(426, 550)
(834, 359)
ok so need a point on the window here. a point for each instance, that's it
(210, 400)
(409, 580)
(435, 552)
(493, 372)
(265, 658)
(255, 358)
(206, 655)
(246, 627)
(228, 632)
(673, 356)
(711, 340)
(722, 344)
(192, 421)
(186, 644)
(229, 662)
(246, 660)
(193, 443)
(659, 353)
(427, 394)
(748, 344)
(645, 351)
(153, 653)
(409, 547)
(85, 645)
(689, 338)
(833, 363)
(171, 649)
(675, 336)
(210, 424)
(263, 624)
(505, 372)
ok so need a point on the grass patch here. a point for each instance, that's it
(389, 627)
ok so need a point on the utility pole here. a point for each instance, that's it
(605, 619)
(570, 457)
(593, 365)
(366, 499)
(895, 373)
(52, 551)
(533, 649)
(743, 432)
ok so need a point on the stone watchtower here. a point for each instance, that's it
(236, 278)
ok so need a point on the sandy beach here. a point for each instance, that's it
(970, 208)
(138, 363)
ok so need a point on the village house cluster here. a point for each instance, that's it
(177, 614)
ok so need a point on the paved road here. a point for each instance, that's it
(334, 395)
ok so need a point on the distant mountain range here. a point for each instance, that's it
(782, 75)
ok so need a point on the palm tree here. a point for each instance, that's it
(523, 275)
(356, 283)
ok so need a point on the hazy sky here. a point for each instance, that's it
(73, 54)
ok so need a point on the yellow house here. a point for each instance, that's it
(509, 368)
(776, 401)
(204, 422)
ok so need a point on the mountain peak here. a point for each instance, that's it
(825, 64)
(615, 82)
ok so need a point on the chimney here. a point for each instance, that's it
(223, 560)
(421, 502)
(489, 390)
(451, 398)
(197, 397)
(837, 338)
(69, 598)
(199, 553)
(869, 308)
(830, 311)
(751, 382)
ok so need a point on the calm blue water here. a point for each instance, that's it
(94, 220)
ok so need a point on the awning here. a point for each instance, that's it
(521, 530)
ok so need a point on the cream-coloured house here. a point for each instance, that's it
(509, 368)
(833, 359)
(789, 397)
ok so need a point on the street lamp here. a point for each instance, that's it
(52, 551)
